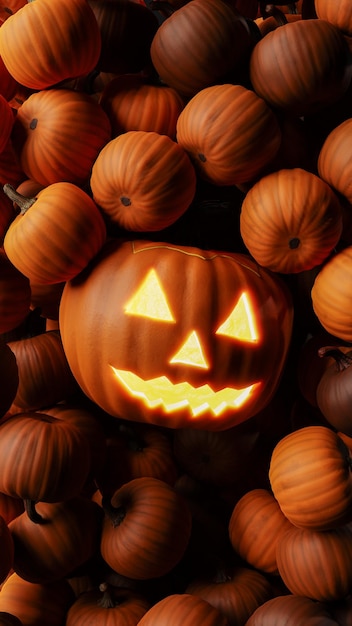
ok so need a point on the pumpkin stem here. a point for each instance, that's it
(34, 516)
(115, 514)
(107, 601)
(23, 202)
(343, 361)
(221, 576)
(269, 10)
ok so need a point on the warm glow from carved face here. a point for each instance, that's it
(150, 301)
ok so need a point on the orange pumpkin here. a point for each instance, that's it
(279, 76)
(183, 609)
(230, 134)
(314, 494)
(62, 227)
(332, 295)
(58, 134)
(334, 159)
(255, 527)
(59, 53)
(205, 359)
(146, 529)
(291, 610)
(143, 181)
(302, 555)
(333, 391)
(337, 13)
(199, 44)
(290, 221)
(133, 103)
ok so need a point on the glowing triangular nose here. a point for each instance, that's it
(191, 353)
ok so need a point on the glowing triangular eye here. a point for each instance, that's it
(149, 300)
(191, 352)
(240, 324)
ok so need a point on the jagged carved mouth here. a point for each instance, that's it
(161, 393)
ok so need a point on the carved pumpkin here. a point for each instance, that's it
(60, 246)
(332, 295)
(133, 103)
(316, 493)
(302, 555)
(279, 76)
(290, 221)
(146, 528)
(58, 53)
(143, 181)
(230, 134)
(212, 332)
(183, 609)
(58, 134)
(199, 44)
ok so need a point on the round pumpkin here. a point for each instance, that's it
(314, 494)
(229, 132)
(205, 358)
(199, 44)
(58, 134)
(279, 75)
(183, 609)
(143, 181)
(62, 227)
(60, 52)
(337, 13)
(290, 221)
(334, 159)
(146, 528)
(331, 295)
(291, 610)
(302, 555)
(333, 391)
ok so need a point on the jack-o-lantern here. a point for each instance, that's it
(176, 336)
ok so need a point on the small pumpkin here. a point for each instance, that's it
(337, 13)
(146, 528)
(290, 221)
(278, 75)
(314, 494)
(229, 132)
(59, 53)
(143, 181)
(55, 234)
(58, 134)
(183, 609)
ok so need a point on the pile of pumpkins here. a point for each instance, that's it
(175, 312)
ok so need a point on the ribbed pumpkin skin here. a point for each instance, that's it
(36, 604)
(44, 374)
(255, 526)
(237, 595)
(183, 610)
(87, 610)
(334, 392)
(290, 221)
(58, 134)
(335, 157)
(291, 610)
(102, 293)
(279, 76)
(64, 229)
(199, 44)
(317, 565)
(229, 132)
(143, 181)
(52, 550)
(337, 13)
(42, 458)
(131, 103)
(154, 531)
(316, 493)
(15, 295)
(60, 31)
(332, 295)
